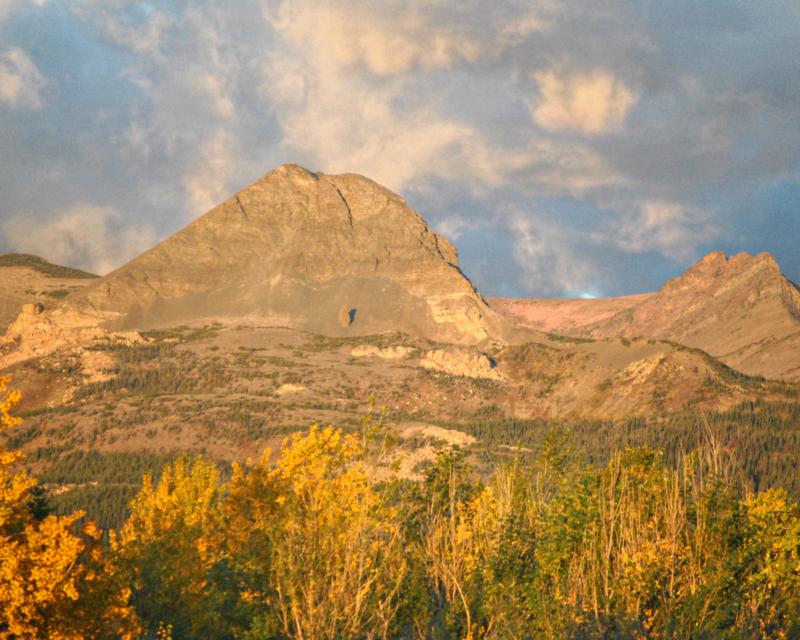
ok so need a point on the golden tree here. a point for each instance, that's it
(169, 550)
(771, 579)
(54, 580)
(323, 561)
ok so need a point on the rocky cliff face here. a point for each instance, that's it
(295, 249)
(460, 362)
(742, 310)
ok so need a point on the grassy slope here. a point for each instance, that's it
(42, 266)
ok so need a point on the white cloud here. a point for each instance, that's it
(361, 132)
(393, 37)
(560, 167)
(544, 251)
(595, 102)
(20, 80)
(673, 229)
(7, 7)
(342, 120)
(194, 71)
(145, 36)
(207, 179)
(82, 236)
(452, 226)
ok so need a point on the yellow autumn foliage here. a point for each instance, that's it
(320, 554)
(772, 590)
(168, 548)
(55, 582)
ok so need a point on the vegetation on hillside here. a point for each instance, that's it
(763, 436)
(308, 546)
(42, 266)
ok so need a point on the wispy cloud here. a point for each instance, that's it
(388, 39)
(547, 257)
(7, 7)
(667, 227)
(21, 83)
(81, 235)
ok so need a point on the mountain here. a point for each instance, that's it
(310, 298)
(26, 279)
(741, 310)
(332, 254)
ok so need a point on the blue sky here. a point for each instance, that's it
(577, 148)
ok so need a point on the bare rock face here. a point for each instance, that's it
(742, 310)
(288, 250)
(346, 316)
(460, 362)
(31, 310)
(385, 353)
(37, 333)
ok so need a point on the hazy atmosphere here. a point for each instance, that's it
(594, 149)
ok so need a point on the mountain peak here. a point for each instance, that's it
(717, 268)
(740, 309)
(290, 171)
(721, 259)
(715, 258)
(291, 249)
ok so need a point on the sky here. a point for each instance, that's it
(567, 148)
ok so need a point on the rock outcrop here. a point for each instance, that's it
(460, 362)
(37, 333)
(288, 250)
(26, 279)
(385, 353)
(346, 316)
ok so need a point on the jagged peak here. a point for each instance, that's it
(717, 266)
(720, 257)
(290, 169)
(762, 259)
(713, 258)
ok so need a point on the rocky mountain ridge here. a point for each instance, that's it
(741, 310)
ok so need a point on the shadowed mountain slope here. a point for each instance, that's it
(741, 310)
(330, 254)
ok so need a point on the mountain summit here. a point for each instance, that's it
(338, 255)
(741, 309)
